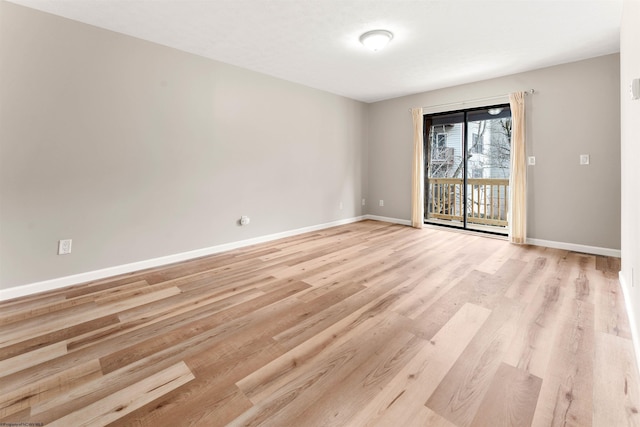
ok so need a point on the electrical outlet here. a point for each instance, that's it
(532, 160)
(341, 206)
(363, 202)
(381, 203)
(64, 247)
(584, 159)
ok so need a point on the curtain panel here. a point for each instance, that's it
(417, 171)
(518, 178)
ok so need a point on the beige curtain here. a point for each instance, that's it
(518, 179)
(417, 174)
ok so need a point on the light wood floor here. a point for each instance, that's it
(363, 324)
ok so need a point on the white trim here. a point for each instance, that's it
(595, 250)
(61, 282)
(635, 338)
(388, 219)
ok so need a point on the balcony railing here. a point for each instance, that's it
(487, 200)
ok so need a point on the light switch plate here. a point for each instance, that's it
(531, 161)
(584, 159)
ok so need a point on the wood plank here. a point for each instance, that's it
(40, 327)
(32, 358)
(583, 269)
(141, 349)
(28, 343)
(511, 399)
(476, 287)
(608, 264)
(461, 392)
(113, 407)
(402, 400)
(217, 410)
(499, 255)
(532, 346)
(169, 310)
(224, 372)
(616, 396)
(353, 310)
(525, 286)
(9, 315)
(439, 282)
(216, 378)
(107, 347)
(424, 417)
(15, 399)
(319, 373)
(566, 396)
(324, 404)
(610, 310)
(267, 380)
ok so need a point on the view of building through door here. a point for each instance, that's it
(467, 155)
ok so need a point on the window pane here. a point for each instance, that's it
(445, 160)
(489, 145)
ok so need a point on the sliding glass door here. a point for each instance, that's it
(467, 168)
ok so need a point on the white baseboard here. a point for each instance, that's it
(61, 282)
(635, 338)
(387, 219)
(595, 250)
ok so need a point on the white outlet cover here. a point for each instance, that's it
(635, 89)
(64, 246)
(584, 159)
(531, 160)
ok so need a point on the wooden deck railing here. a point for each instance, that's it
(487, 200)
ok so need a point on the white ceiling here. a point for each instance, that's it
(437, 43)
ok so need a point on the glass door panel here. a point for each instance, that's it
(488, 168)
(445, 169)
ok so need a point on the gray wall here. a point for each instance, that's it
(575, 110)
(630, 69)
(137, 151)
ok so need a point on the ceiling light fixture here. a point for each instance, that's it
(494, 111)
(376, 39)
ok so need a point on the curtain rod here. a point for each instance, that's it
(468, 101)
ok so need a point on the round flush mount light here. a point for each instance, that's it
(494, 111)
(376, 39)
